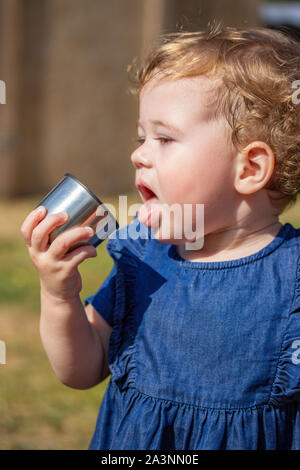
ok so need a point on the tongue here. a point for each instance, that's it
(149, 212)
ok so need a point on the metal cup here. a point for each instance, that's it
(83, 207)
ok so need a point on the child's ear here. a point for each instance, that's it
(254, 167)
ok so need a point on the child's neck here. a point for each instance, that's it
(233, 242)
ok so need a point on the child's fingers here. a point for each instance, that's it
(64, 242)
(31, 221)
(76, 256)
(40, 234)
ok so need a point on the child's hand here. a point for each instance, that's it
(57, 267)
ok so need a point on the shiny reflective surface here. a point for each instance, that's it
(83, 208)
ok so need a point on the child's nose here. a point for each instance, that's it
(139, 159)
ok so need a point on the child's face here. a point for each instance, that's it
(185, 155)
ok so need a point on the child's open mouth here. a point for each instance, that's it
(149, 212)
(146, 193)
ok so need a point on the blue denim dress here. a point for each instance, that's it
(203, 355)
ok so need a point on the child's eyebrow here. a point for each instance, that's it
(165, 124)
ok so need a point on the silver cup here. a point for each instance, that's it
(83, 207)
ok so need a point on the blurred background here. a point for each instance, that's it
(68, 109)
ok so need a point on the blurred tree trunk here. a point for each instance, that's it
(10, 40)
(195, 14)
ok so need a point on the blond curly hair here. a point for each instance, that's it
(258, 68)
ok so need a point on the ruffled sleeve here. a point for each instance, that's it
(286, 387)
(126, 246)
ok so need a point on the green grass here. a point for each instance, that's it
(292, 215)
(36, 410)
(19, 282)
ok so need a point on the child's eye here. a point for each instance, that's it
(164, 140)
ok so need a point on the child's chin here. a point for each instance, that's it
(175, 241)
(170, 236)
(165, 229)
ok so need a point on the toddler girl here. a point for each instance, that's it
(202, 344)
